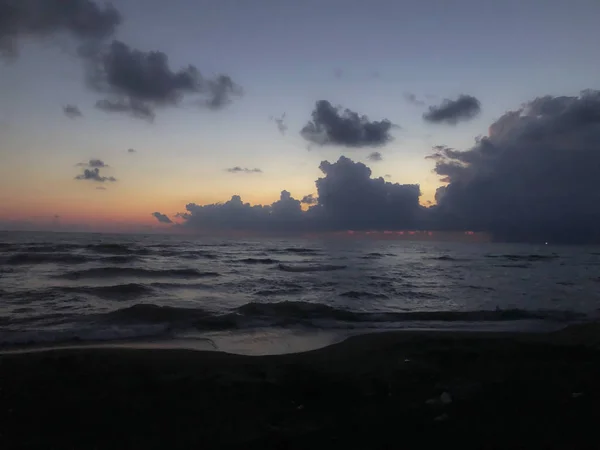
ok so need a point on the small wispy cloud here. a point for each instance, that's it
(238, 169)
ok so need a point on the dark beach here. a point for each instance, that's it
(387, 390)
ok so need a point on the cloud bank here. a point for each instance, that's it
(334, 126)
(347, 198)
(533, 178)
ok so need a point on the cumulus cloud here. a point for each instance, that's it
(533, 178)
(138, 82)
(412, 99)
(334, 126)
(464, 108)
(84, 20)
(347, 198)
(309, 199)
(375, 156)
(72, 111)
(162, 218)
(238, 169)
(94, 175)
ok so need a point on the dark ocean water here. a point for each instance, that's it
(58, 287)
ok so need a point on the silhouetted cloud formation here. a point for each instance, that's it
(348, 198)
(93, 163)
(131, 150)
(309, 199)
(138, 82)
(162, 218)
(534, 178)
(333, 126)
(84, 20)
(238, 169)
(375, 156)
(412, 99)
(72, 111)
(94, 175)
(464, 108)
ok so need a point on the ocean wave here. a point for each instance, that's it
(445, 258)
(110, 272)
(257, 261)
(117, 249)
(528, 258)
(295, 250)
(305, 312)
(83, 334)
(46, 258)
(127, 291)
(119, 259)
(362, 294)
(309, 268)
(46, 247)
(189, 254)
(174, 317)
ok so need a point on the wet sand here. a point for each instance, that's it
(388, 390)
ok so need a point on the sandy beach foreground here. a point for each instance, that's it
(388, 390)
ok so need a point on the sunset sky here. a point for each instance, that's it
(386, 59)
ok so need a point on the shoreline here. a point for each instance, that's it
(288, 340)
(370, 391)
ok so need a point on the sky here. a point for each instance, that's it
(89, 142)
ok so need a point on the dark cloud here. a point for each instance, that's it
(333, 126)
(72, 111)
(138, 82)
(93, 163)
(131, 150)
(309, 200)
(84, 20)
(464, 108)
(375, 156)
(281, 126)
(387, 175)
(94, 175)
(534, 178)
(162, 218)
(238, 169)
(347, 198)
(412, 99)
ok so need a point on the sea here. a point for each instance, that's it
(277, 295)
